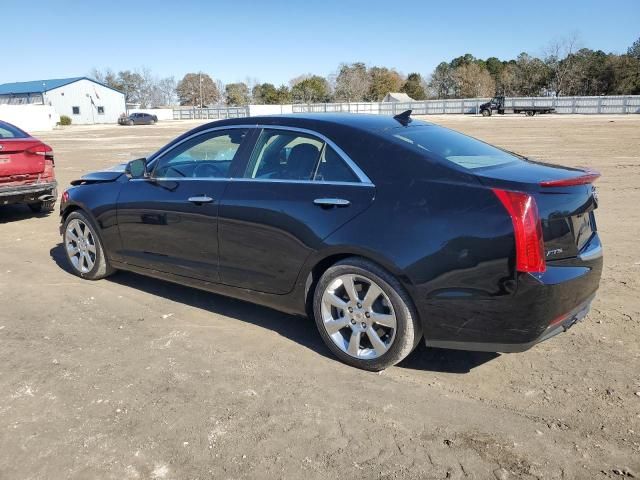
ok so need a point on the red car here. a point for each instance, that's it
(26, 170)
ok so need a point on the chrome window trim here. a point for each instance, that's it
(261, 180)
(364, 179)
(310, 182)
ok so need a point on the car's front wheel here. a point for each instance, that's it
(364, 315)
(83, 248)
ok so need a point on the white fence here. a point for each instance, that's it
(214, 113)
(622, 104)
(32, 118)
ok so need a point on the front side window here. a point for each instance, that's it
(289, 155)
(207, 156)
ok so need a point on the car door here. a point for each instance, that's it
(168, 222)
(296, 189)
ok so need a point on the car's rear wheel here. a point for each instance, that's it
(83, 248)
(364, 315)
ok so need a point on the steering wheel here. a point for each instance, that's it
(204, 170)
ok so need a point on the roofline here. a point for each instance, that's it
(71, 80)
(83, 78)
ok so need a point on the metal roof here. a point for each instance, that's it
(41, 86)
(397, 97)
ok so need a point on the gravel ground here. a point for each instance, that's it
(131, 377)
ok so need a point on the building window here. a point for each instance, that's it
(75, 110)
(100, 110)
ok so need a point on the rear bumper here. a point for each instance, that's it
(561, 325)
(541, 306)
(32, 193)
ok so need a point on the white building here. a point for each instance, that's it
(82, 99)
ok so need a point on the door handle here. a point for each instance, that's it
(199, 199)
(332, 202)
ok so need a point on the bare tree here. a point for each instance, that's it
(352, 82)
(558, 57)
(106, 76)
(442, 83)
(251, 82)
(299, 79)
(147, 91)
(508, 81)
(220, 86)
(166, 91)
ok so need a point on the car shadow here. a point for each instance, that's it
(445, 361)
(296, 328)
(17, 212)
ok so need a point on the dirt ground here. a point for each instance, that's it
(130, 377)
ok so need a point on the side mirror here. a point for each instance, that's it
(137, 168)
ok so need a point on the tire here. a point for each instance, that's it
(530, 113)
(130, 123)
(486, 113)
(90, 262)
(347, 332)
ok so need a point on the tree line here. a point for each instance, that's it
(563, 69)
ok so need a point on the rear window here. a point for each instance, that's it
(9, 131)
(455, 147)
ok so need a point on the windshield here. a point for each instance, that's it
(455, 147)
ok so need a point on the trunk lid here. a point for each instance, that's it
(17, 162)
(565, 197)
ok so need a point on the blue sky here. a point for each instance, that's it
(274, 41)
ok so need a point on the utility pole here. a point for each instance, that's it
(200, 75)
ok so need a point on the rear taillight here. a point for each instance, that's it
(589, 176)
(43, 150)
(523, 211)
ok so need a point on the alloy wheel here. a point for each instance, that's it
(80, 245)
(358, 316)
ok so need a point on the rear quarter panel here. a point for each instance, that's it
(450, 244)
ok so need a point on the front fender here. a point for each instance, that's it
(99, 200)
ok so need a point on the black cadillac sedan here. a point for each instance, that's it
(386, 230)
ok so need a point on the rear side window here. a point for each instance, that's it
(288, 155)
(455, 147)
(9, 131)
